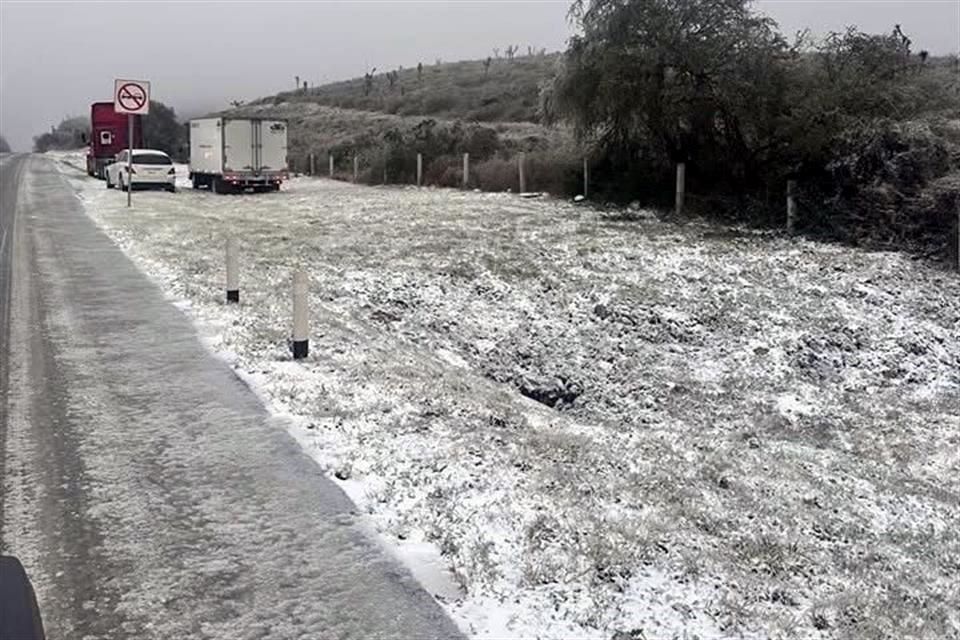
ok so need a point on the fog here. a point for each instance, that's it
(58, 57)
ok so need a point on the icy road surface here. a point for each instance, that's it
(145, 488)
(607, 427)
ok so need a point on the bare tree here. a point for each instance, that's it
(486, 65)
(392, 78)
(296, 82)
(419, 70)
(512, 51)
(496, 52)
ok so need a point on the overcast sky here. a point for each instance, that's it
(58, 57)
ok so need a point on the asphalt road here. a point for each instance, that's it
(144, 487)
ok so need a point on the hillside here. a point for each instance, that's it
(441, 111)
(507, 90)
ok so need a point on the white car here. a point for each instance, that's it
(151, 168)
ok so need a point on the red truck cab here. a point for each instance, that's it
(108, 136)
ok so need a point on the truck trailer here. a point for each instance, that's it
(108, 137)
(235, 154)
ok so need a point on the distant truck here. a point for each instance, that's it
(108, 137)
(234, 154)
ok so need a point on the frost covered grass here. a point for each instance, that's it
(608, 428)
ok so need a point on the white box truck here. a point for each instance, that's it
(234, 154)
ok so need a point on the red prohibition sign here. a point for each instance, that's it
(132, 96)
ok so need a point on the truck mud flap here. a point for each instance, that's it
(19, 613)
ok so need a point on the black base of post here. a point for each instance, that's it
(233, 296)
(300, 349)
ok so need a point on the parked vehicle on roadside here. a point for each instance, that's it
(108, 136)
(150, 169)
(235, 154)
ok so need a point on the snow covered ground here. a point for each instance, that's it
(607, 428)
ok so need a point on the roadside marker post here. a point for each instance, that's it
(356, 168)
(681, 187)
(331, 166)
(301, 342)
(523, 178)
(791, 206)
(466, 170)
(419, 169)
(233, 270)
(131, 97)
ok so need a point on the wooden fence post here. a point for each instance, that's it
(301, 340)
(791, 206)
(520, 168)
(233, 270)
(586, 178)
(419, 169)
(681, 187)
(466, 170)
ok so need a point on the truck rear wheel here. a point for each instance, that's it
(19, 613)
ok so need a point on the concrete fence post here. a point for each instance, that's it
(681, 187)
(301, 340)
(586, 177)
(419, 169)
(466, 170)
(356, 168)
(233, 270)
(521, 161)
(791, 206)
(330, 161)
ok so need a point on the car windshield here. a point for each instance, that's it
(151, 158)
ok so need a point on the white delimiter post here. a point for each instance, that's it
(681, 186)
(419, 169)
(233, 270)
(356, 168)
(791, 206)
(301, 346)
(523, 179)
(313, 164)
(331, 165)
(466, 170)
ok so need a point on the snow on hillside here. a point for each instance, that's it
(608, 428)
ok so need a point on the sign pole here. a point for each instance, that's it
(129, 159)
